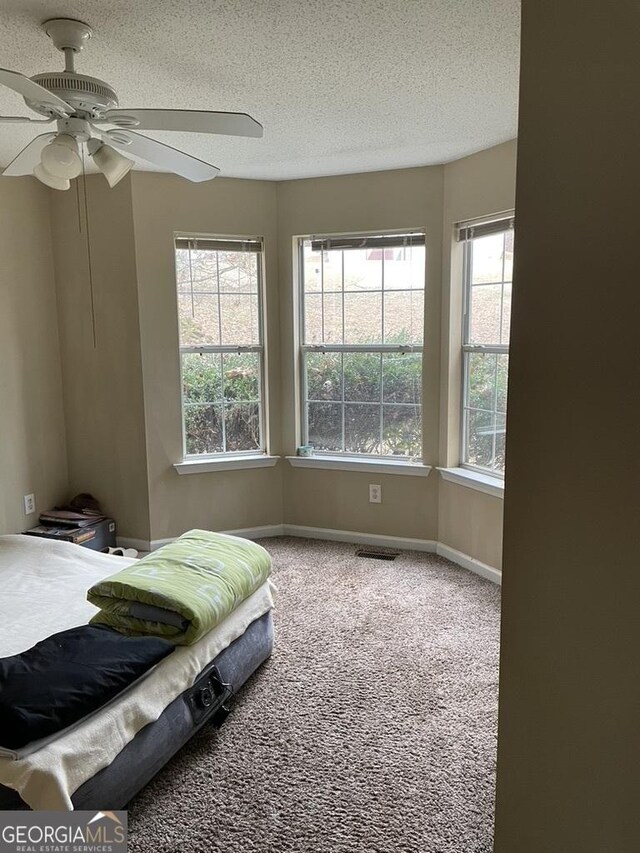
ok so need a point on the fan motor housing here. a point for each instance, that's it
(86, 94)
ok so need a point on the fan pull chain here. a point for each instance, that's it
(78, 207)
(86, 217)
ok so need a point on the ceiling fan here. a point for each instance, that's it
(82, 106)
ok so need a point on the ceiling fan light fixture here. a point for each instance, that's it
(113, 165)
(61, 157)
(50, 180)
(79, 102)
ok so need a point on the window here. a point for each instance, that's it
(488, 273)
(362, 319)
(219, 283)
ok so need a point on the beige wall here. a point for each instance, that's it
(32, 441)
(122, 395)
(479, 185)
(162, 205)
(471, 522)
(568, 777)
(339, 500)
(348, 203)
(103, 395)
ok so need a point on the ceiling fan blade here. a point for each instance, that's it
(31, 91)
(26, 161)
(192, 121)
(167, 158)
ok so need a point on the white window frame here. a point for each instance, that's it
(347, 348)
(191, 459)
(467, 231)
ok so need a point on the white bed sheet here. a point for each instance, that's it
(61, 573)
(43, 586)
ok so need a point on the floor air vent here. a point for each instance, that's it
(376, 553)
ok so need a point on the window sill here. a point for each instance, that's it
(354, 463)
(474, 480)
(225, 463)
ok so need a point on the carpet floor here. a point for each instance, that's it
(372, 729)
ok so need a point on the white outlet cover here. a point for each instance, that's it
(29, 504)
(375, 493)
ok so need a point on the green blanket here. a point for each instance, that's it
(184, 589)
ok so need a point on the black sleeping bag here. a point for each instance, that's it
(67, 676)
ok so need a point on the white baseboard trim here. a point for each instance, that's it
(264, 532)
(429, 546)
(488, 572)
(138, 544)
(359, 538)
(403, 543)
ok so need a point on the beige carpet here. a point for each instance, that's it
(372, 729)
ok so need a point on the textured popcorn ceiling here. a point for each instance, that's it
(339, 85)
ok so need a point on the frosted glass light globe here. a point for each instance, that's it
(50, 180)
(60, 157)
(113, 165)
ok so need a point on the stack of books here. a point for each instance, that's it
(77, 535)
(67, 525)
(69, 518)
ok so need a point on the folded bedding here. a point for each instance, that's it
(67, 677)
(183, 590)
(47, 773)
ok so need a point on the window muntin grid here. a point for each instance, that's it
(362, 322)
(219, 293)
(488, 277)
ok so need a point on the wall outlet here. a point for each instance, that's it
(29, 504)
(375, 494)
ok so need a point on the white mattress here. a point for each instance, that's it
(43, 586)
